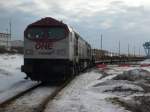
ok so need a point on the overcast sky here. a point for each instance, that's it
(124, 20)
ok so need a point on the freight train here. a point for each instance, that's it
(104, 56)
(54, 51)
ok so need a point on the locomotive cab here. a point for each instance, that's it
(45, 50)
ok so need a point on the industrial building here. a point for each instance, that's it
(5, 40)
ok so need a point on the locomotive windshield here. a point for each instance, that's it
(49, 32)
(56, 33)
(35, 33)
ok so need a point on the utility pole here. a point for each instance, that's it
(128, 50)
(10, 29)
(101, 41)
(134, 50)
(139, 51)
(119, 48)
(7, 36)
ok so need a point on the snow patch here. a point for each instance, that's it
(147, 61)
(129, 89)
(10, 71)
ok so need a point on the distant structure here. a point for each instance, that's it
(98, 53)
(146, 46)
(17, 46)
(4, 40)
(16, 43)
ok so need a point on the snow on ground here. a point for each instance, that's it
(30, 102)
(10, 73)
(114, 89)
(129, 89)
(147, 61)
(80, 96)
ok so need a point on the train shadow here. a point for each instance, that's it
(52, 83)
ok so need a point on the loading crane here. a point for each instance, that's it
(146, 46)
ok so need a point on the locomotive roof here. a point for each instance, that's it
(47, 21)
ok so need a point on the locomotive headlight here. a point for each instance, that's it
(29, 51)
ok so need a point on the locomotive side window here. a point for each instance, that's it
(56, 33)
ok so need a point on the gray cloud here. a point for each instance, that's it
(116, 20)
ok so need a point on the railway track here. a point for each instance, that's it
(17, 90)
(32, 100)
